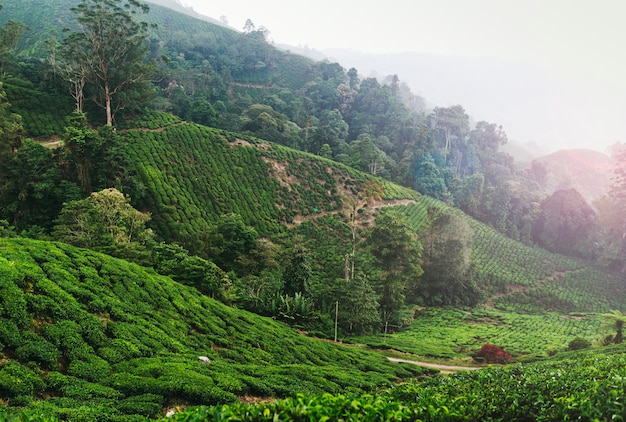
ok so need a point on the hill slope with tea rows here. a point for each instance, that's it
(193, 174)
(88, 337)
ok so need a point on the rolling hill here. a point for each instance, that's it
(587, 171)
(193, 174)
(85, 336)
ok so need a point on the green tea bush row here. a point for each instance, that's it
(140, 351)
(43, 114)
(457, 333)
(581, 387)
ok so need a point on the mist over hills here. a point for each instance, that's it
(587, 171)
(557, 111)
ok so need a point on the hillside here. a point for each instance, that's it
(277, 190)
(170, 17)
(579, 385)
(86, 336)
(217, 244)
(587, 171)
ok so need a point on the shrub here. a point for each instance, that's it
(36, 348)
(18, 380)
(579, 343)
(144, 404)
(492, 354)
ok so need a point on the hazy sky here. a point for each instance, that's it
(581, 42)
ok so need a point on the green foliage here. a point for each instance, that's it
(175, 261)
(18, 380)
(619, 319)
(83, 150)
(430, 179)
(104, 221)
(11, 127)
(33, 190)
(565, 223)
(108, 55)
(398, 251)
(359, 311)
(448, 243)
(84, 334)
(298, 272)
(578, 387)
(350, 407)
(578, 343)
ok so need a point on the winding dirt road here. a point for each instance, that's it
(445, 369)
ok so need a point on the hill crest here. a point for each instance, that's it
(587, 171)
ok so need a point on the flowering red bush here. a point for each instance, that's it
(492, 354)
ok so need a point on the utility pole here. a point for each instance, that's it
(336, 314)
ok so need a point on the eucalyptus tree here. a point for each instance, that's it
(109, 53)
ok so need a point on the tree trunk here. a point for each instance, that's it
(107, 99)
(619, 336)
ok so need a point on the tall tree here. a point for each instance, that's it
(447, 254)
(10, 35)
(565, 222)
(112, 48)
(453, 125)
(298, 271)
(359, 307)
(82, 147)
(398, 252)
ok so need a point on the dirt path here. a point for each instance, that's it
(445, 369)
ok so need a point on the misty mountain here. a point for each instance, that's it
(587, 171)
(179, 6)
(532, 104)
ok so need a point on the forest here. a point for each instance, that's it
(201, 193)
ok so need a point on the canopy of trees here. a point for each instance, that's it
(108, 55)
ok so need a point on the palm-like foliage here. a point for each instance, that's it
(619, 319)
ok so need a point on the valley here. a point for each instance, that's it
(193, 252)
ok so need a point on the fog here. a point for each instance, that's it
(550, 72)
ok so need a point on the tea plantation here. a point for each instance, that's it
(89, 337)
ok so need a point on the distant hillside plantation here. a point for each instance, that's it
(587, 171)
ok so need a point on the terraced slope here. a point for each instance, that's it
(193, 174)
(84, 336)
